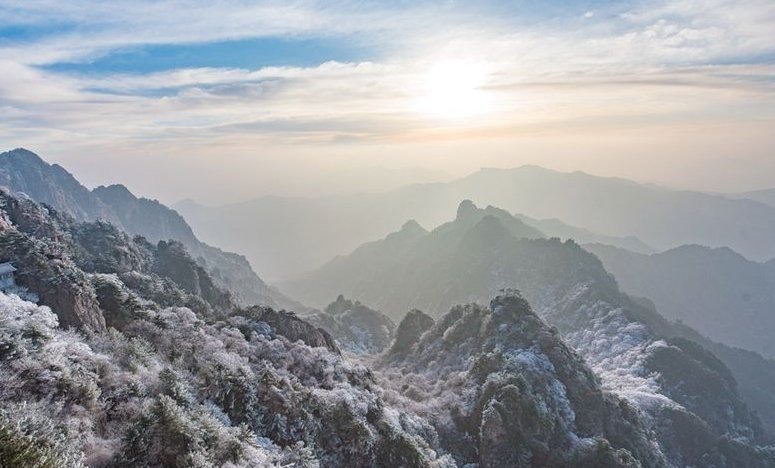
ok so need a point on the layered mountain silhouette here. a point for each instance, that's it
(766, 196)
(123, 349)
(625, 341)
(306, 232)
(136, 357)
(715, 290)
(162, 367)
(25, 172)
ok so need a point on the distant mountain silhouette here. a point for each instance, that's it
(306, 232)
(23, 171)
(715, 290)
(766, 196)
(483, 251)
(556, 228)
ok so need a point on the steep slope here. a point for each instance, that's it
(716, 291)
(498, 384)
(308, 232)
(71, 266)
(178, 375)
(631, 347)
(24, 171)
(184, 377)
(360, 272)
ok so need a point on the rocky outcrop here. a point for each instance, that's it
(43, 265)
(411, 328)
(292, 327)
(357, 328)
(506, 392)
(172, 261)
(24, 171)
(472, 258)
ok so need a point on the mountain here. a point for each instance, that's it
(639, 355)
(766, 196)
(498, 383)
(163, 368)
(356, 328)
(556, 228)
(306, 232)
(160, 368)
(360, 273)
(25, 172)
(715, 290)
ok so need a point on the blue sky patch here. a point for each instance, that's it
(251, 53)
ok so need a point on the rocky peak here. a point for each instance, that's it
(25, 172)
(413, 325)
(413, 227)
(466, 210)
(114, 191)
(356, 328)
(506, 381)
(339, 306)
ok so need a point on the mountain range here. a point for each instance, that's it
(518, 349)
(484, 251)
(766, 196)
(307, 232)
(161, 368)
(25, 172)
(715, 290)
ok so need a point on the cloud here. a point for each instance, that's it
(643, 61)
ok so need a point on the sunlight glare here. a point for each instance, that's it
(453, 90)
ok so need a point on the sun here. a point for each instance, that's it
(453, 89)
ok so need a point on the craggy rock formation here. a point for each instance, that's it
(292, 327)
(503, 391)
(355, 327)
(411, 328)
(183, 377)
(624, 341)
(25, 172)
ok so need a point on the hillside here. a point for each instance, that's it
(716, 291)
(477, 255)
(161, 368)
(25, 172)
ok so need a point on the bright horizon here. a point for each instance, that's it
(309, 98)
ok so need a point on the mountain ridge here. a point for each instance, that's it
(22, 170)
(566, 285)
(660, 218)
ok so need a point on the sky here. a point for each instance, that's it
(222, 101)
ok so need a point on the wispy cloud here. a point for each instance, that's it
(543, 64)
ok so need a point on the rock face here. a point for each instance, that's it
(291, 327)
(505, 391)
(44, 266)
(63, 262)
(411, 328)
(24, 171)
(623, 341)
(355, 327)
